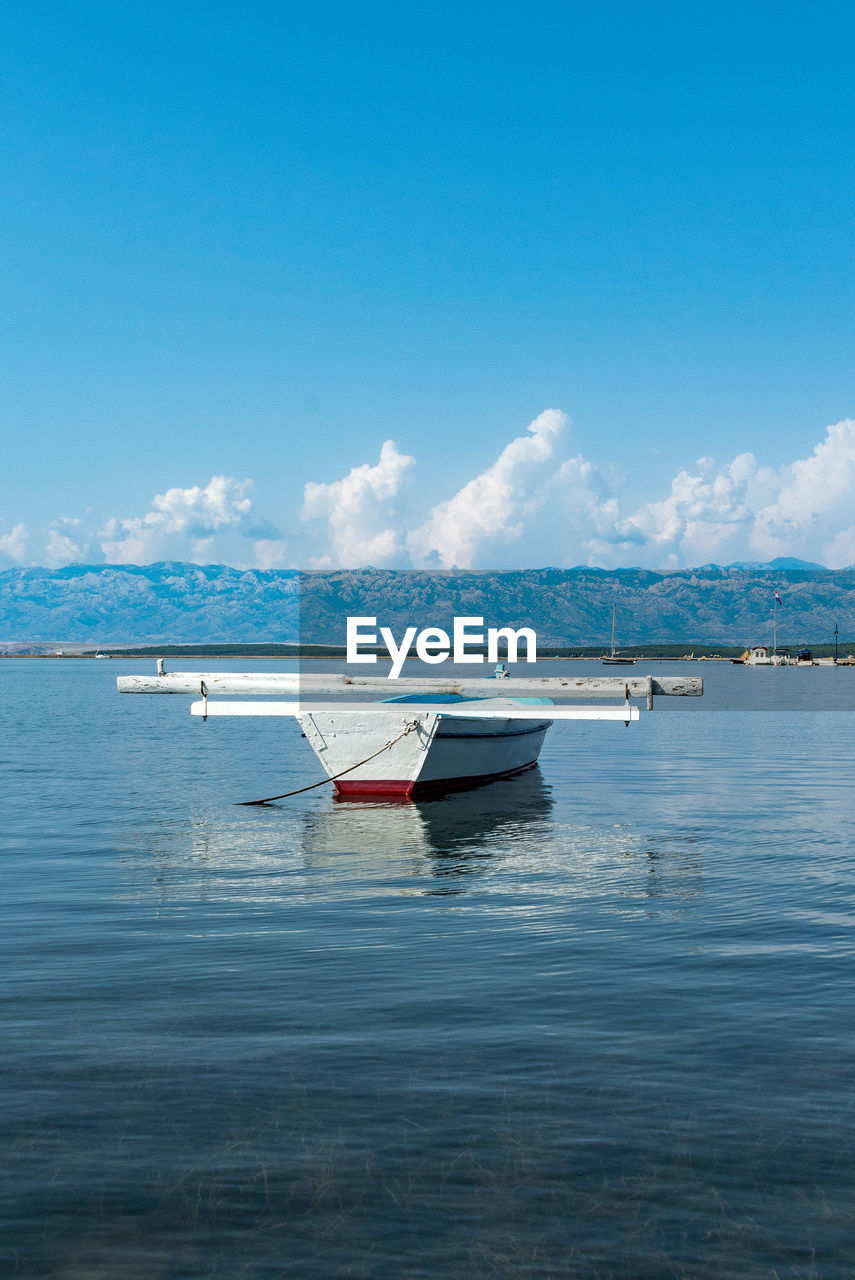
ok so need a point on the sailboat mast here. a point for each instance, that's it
(614, 610)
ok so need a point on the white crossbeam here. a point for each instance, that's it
(468, 710)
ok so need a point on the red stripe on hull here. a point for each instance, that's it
(375, 787)
(402, 790)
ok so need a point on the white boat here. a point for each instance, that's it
(762, 655)
(434, 735)
(457, 742)
(613, 658)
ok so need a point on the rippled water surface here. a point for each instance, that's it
(596, 1021)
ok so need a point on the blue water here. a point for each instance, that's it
(597, 1021)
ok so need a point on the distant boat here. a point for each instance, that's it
(761, 655)
(776, 656)
(614, 659)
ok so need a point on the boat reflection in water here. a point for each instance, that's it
(516, 846)
(509, 841)
(447, 836)
(336, 847)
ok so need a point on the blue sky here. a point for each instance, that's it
(244, 248)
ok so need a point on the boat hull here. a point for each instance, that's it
(399, 755)
(369, 788)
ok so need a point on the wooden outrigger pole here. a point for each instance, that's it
(296, 684)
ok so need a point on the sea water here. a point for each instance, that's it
(596, 1021)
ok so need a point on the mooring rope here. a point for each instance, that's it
(408, 728)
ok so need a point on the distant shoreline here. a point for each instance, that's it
(335, 653)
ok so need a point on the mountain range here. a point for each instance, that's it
(174, 603)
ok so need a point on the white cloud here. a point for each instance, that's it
(741, 510)
(14, 543)
(491, 510)
(839, 553)
(270, 553)
(180, 525)
(527, 507)
(67, 542)
(816, 495)
(362, 512)
(60, 549)
(202, 523)
(588, 506)
(707, 514)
